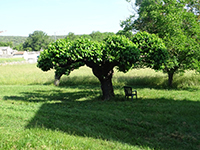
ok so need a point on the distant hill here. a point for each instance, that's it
(16, 40)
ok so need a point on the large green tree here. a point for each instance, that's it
(36, 41)
(176, 24)
(115, 51)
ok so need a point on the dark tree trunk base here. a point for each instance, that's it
(107, 89)
(57, 80)
(170, 79)
(105, 78)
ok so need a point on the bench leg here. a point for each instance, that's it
(136, 94)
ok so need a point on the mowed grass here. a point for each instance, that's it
(7, 60)
(37, 115)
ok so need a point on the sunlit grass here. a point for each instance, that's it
(7, 60)
(24, 74)
(74, 117)
(37, 115)
(29, 74)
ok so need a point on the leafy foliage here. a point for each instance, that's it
(176, 25)
(114, 51)
(57, 57)
(194, 6)
(19, 47)
(36, 41)
(6, 44)
(128, 34)
(153, 51)
(122, 52)
(117, 50)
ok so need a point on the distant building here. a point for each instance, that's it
(19, 54)
(28, 56)
(31, 57)
(6, 51)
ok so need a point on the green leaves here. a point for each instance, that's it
(86, 50)
(122, 51)
(36, 41)
(177, 23)
(65, 56)
(60, 57)
(153, 51)
(44, 61)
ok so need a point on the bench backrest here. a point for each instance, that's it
(127, 90)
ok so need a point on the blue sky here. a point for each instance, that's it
(23, 17)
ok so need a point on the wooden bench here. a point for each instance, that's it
(128, 92)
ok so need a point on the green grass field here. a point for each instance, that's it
(37, 115)
(8, 60)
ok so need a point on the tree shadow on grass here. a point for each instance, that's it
(154, 123)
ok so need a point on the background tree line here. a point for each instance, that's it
(39, 40)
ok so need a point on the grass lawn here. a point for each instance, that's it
(7, 60)
(37, 115)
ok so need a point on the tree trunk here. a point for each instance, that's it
(57, 79)
(170, 78)
(105, 78)
(107, 88)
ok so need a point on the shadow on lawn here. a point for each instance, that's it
(155, 123)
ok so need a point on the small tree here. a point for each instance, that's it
(115, 51)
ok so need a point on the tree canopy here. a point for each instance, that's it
(36, 41)
(152, 50)
(6, 44)
(177, 25)
(128, 34)
(114, 51)
(94, 36)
